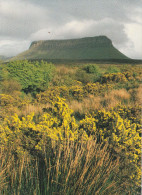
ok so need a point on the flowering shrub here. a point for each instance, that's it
(122, 135)
(26, 133)
(134, 74)
(97, 88)
(31, 134)
(132, 113)
(10, 104)
(113, 77)
(77, 92)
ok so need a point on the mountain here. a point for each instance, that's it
(89, 48)
(2, 57)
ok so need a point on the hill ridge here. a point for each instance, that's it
(98, 47)
(98, 40)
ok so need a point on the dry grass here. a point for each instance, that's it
(136, 95)
(139, 95)
(3, 166)
(115, 97)
(92, 102)
(63, 70)
(76, 106)
(36, 108)
(88, 104)
(16, 172)
(120, 94)
(86, 167)
(77, 168)
(107, 101)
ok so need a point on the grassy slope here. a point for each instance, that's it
(86, 48)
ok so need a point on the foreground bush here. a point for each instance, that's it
(69, 168)
(55, 153)
(51, 155)
(124, 141)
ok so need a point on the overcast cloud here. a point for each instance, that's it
(23, 21)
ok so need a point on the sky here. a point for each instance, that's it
(24, 21)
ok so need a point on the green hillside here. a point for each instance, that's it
(96, 48)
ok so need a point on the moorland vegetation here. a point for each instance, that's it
(70, 129)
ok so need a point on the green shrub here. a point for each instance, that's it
(92, 68)
(113, 69)
(83, 77)
(33, 76)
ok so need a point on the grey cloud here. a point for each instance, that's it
(20, 19)
(10, 47)
(89, 9)
(28, 20)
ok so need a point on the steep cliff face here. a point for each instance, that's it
(99, 47)
(100, 41)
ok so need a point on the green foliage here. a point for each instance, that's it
(33, 76)
(83, 77)
(3, 73)
(113, 69)
(65, 80)
(94, 72)
(92, 68)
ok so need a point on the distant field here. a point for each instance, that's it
(86, 61)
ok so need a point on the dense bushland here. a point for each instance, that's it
(61, 135)
(32, 76)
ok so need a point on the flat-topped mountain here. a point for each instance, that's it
(89, 48)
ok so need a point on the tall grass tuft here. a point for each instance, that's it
(60, 168)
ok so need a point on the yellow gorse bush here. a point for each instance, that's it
(123, 137)
(10, 104)
(77, 92)
(131, 75)
(113, 77)
(30, 135)
(131, 113)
